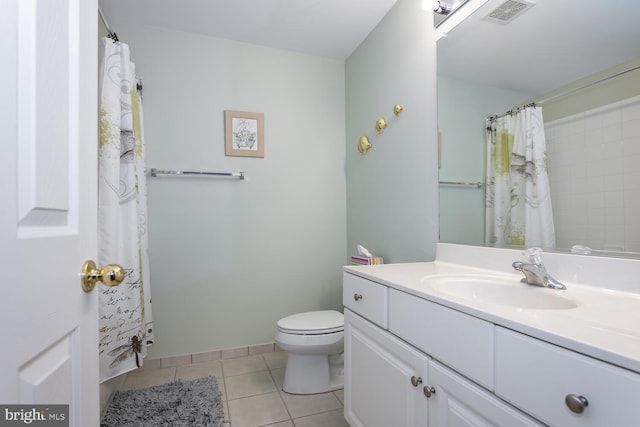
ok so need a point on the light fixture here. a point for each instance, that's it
(437, 6)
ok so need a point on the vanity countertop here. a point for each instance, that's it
(604, 324)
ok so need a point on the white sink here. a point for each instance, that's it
(498, 290)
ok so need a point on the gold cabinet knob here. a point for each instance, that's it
(110, 275)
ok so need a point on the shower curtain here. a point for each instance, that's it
(518, 199)
(126, 327)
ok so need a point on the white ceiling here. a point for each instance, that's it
(328, 28)
(553, 43)
(548, 46)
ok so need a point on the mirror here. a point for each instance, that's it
(559, 55)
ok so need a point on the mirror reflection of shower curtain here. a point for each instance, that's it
(518, 199)
(125, 311)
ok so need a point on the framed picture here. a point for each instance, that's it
(244, 134)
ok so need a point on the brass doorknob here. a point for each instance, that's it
(110, 275)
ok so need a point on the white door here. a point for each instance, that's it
(48, 123)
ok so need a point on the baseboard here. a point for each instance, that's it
(208, 356)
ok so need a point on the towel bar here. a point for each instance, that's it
(155, 172)
(466, 184)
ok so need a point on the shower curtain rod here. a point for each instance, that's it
(588, 85)
(112, 34)
(565, 93)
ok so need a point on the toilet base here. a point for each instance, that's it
(313, 373)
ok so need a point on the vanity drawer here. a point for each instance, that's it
(537, 377)
(463, 342)
(366, 298)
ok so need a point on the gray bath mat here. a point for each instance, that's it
(180, 403)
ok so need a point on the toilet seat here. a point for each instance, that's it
(312, 323)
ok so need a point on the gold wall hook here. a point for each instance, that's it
(110, 275)
(397, 109)
(381, 123)
(363, 144)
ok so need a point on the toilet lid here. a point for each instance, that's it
(312, 323)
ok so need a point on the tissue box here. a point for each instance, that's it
(361, 260)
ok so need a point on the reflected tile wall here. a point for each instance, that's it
(594, 171)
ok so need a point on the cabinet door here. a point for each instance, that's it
(458, 402)
(378, 378)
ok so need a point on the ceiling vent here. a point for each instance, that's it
(508, 10)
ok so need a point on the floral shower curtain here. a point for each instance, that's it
(518, 199)
(126, 327)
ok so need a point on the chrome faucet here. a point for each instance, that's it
(535, 272)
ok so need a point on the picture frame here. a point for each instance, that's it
(244, 134)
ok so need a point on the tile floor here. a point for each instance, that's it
(251, 389)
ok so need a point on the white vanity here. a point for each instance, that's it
(465, 343)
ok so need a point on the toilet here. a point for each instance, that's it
(314, 341)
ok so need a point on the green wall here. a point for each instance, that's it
(392, 191)
(229, 257)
